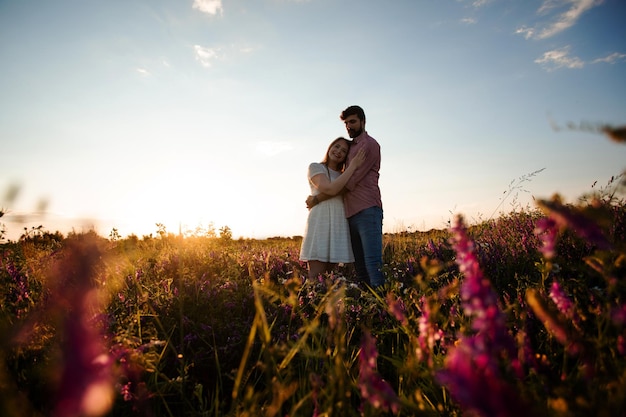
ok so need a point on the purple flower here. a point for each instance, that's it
(563, 302)
(19, 288)
(429, 334)
(546, 230)
(476, 387)
(477, 297)
(86, 384)
(564, 216)
(397, 308)
(374, 388)
(87, 381)
(473, 369)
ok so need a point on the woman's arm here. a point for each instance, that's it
(332, 188)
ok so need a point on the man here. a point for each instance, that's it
(362, 201)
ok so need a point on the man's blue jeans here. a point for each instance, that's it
(366, 232)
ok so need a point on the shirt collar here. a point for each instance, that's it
(361, 136)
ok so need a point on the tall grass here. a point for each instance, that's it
(523, 314)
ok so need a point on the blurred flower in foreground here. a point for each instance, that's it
(472, 370)
(478, 298)
(565, 305)
(374, 388)
(86, 385)
(564, 217)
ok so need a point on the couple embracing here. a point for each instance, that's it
(345, 208)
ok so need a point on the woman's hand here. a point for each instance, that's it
(358, 159)
(311, 201)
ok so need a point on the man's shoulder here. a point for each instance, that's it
(370, 139)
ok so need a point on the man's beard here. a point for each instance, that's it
(354, 133)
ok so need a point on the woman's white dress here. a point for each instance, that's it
(327, 235)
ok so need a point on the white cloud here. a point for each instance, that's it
(205, 55)
(480, 3)
(610, 59)
(468, 20)
(560, 22)
(273, 148)
(559, 58)
(212, 7)
(549, 5)
(527, 32)
(143, 72)
(569, 17)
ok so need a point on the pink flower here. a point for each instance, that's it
(397, 308)
(473, 371)
(563, 302)
(547, 231)
(429, 334)
(479, 391)
(86, 386)
(565, 216)
(477, 297)
(374, 388)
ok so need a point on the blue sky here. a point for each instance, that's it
(130, 113)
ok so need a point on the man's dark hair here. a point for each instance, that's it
(353, 110)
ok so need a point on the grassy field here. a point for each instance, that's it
(515, 316)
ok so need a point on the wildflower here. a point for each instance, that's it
(546, 230)
(409, 267)
(86, 386)
(550, 321)
(131, 388)
(564, 217)
(435, 250)
(477, 297)
(554, 324)
(429, 334)
(19, 288)
(374, 388)
(397, 308)
(563, 302)
(480, 391)
(472, 368)
(126, 391)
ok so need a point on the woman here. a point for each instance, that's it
(327, 236)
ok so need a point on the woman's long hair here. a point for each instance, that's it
(342, 165)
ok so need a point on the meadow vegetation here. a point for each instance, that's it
(519, 315)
